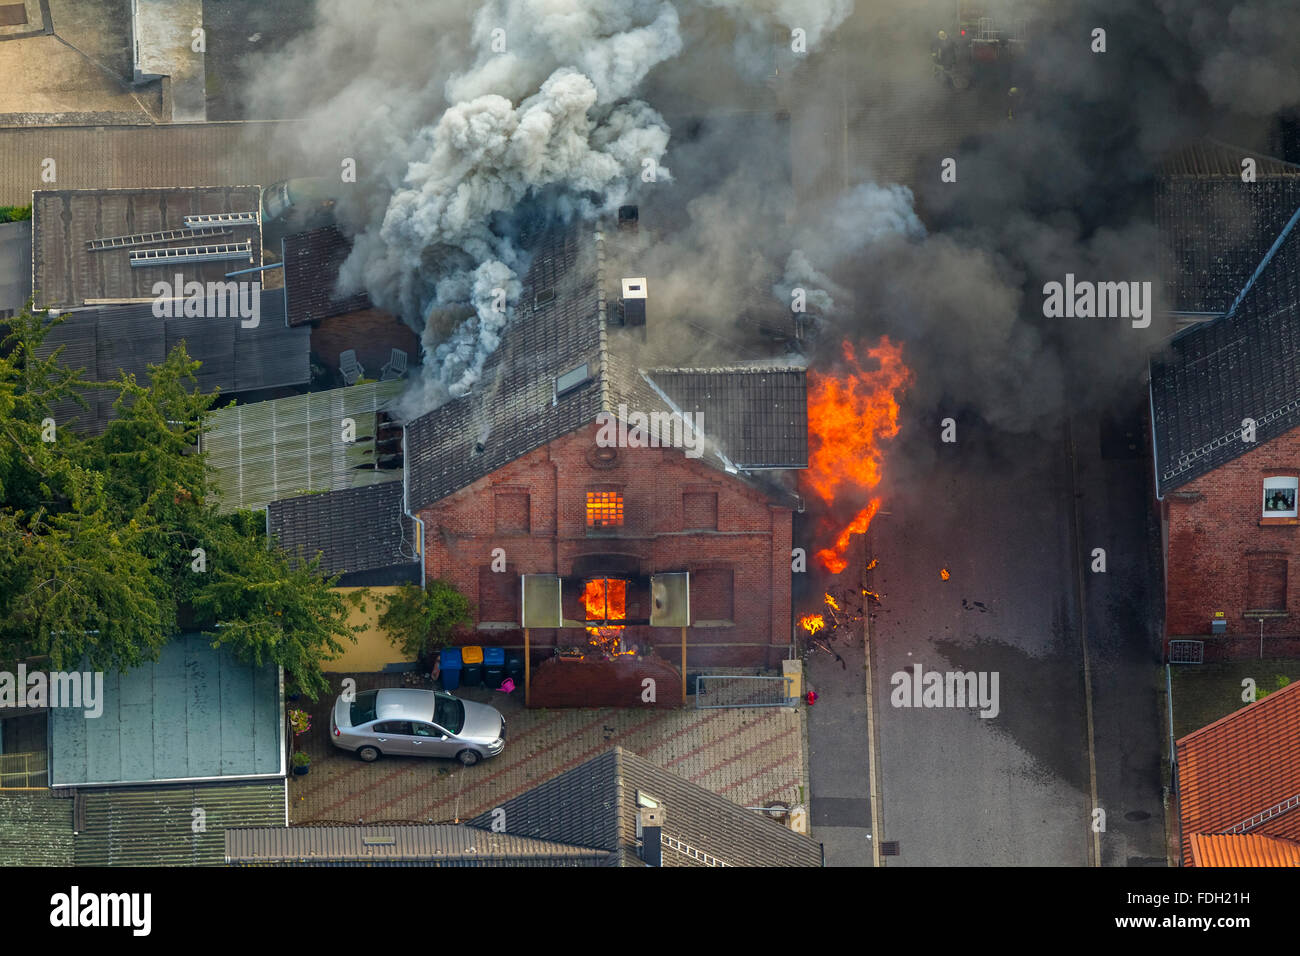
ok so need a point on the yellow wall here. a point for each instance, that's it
(373, 650)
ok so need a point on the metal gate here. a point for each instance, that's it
(1186, 652)
(742, 690)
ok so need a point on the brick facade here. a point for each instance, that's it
(1223, 555)
(678, 515)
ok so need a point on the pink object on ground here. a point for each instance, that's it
(507, 685)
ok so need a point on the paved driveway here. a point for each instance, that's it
(749, 756)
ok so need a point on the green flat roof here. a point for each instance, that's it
(195, 713)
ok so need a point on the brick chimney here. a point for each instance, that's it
(652, 824)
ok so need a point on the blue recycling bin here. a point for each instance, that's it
(449, 661)
(494, 666)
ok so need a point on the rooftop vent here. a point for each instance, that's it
(634, 301)
(627, 217)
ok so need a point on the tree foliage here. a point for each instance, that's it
(420, 621)
(109, 543)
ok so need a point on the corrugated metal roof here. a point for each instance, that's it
(35, 829)
(595, 804)
(155, 826)
(66, 274)
(287, 447)
(15, 264)
(355, 529)
(433, 845)
(126, 338)
(311, 268)
(141, 157)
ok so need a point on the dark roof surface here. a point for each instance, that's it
(759, 415)
(1245, 364)
(398, 845)
(595, 805)
(129, 338)
(65, 274)
(15, 264)
(154, 826)
(311, 269)
(515, 408)
(35, 829)
(355, 529)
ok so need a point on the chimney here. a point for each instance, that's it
(634, 301)
(627, 218)
(652, 824)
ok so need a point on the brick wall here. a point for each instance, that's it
(744, 561)
(1221, 556)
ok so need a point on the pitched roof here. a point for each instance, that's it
(1244, 849)
(354, 529)
(561, 327)
(311, 268)
(154, 826)
(66, 274)
(15, 264)
(399, 845)
(1241, 774)
(1245, 364)
(128, 338)
(35, 829)
(595, 804)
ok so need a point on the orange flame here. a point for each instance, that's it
(605, 599)
(812, 623)
(943, 573)
(830, 602)
(849, 415)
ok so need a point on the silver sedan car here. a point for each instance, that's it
(406, 722)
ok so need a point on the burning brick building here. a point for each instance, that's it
(517, 478)
(1225, 410)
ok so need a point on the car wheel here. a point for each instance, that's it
(468, 757)
(368, 754)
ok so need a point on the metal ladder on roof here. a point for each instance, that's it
(153, 238)
(222, 252)
(222, 219)
(1245, 826)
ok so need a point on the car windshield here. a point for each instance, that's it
(363, 708)
(449, 713)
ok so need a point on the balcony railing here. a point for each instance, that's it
(26, 771)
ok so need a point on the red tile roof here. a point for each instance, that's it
(1245, 849)
(1245, 764)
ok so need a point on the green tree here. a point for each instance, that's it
(419, 621)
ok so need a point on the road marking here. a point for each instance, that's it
(1083, 642)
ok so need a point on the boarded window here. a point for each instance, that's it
(498, 594)
(713, 594)
(700, 511)
(604, 509)
(512, 515)
(1266, 584)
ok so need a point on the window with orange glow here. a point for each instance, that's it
(604, 509)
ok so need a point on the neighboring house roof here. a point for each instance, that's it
(35, 829)
(561, 329)
(286, 447)
(1214, 228)
(1246, 849)
(15, 265)
(596, 804)
(155, 826)
(1241, 774)
(1246, 364)
(128, 338)
(311, 269)
(354, 530)
(195, 712)
(66, 273)
(399, 845)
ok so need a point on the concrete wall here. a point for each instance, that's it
(373, 650)
(740, 599)
(1217, 534)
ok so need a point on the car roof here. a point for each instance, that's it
(404, 703)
